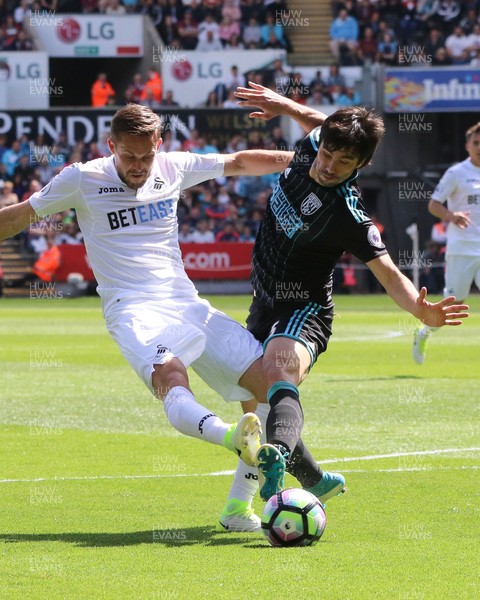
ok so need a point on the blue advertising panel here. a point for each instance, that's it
(434, 89)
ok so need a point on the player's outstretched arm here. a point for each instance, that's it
(16, 218)
(460, 219)
(404, 293)
(272, 105)
(256, 162)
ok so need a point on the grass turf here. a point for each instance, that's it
(109, 501)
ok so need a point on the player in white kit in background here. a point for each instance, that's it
(126, 206)
(456, 200)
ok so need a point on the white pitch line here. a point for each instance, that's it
(398, 455)
(231, 472)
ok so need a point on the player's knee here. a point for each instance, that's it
(282, 363)
(167, 376)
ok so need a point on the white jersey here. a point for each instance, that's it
(130, 236)
(460, 189)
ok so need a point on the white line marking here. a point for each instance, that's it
(399, 454)
(363, 338)
(230, 472)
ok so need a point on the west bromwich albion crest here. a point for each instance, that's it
(310, 204)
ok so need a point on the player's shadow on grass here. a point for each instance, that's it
(170, 537)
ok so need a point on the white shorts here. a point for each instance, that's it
(460, 272)
(219, 350)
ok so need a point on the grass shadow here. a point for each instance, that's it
(173, 537)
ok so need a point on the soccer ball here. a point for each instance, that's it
(293, 517)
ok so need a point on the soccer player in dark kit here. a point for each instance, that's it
(314, 215)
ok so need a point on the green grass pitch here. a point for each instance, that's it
(101, 498)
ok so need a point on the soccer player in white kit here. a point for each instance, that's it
(456, 200)
(126, 207)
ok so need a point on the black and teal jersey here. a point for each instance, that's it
(305, 230)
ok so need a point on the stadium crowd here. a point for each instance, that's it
(406, 32)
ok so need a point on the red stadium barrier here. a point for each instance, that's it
(74, 260)
(222, 260)
(202, 261)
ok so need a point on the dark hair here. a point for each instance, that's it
(355, 128)
(474, 129)
(135, 119)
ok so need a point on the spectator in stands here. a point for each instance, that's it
(441, 58)
(64, 147)
(210, 43)
(168, 31)
(102, 92)
(231, 8)
(8, 197)
(70, 233)
(235, 144)
(255, 140)
(252, 33)
(202, 147)
(136, 88)
(3, 145)
(149, 100)
(170, 144)
(208, 24)
(271, 34)
(246, 234)
(227, 233)
(188, 31)
(93, 151)
(435, 40)
(22, 43)
(343, 34)
(24, 170)
(184, 233)
(231, 101)
(191, 140)
(276, 140)
(155, 85)
(33, 186)
(214, 210)
(319, 96)
(202, 234)
(383, 29)
(11, 157)
(387, 50)
(235, 43)
(367, 51)
(456, 43)
(234, 80)
(228, 27)
(174, 9)
(474, 41)
(46, 265)
(349, 97)
(468, 22)
(335, 77)
(363, 13)
(114, 8)
(169, 100)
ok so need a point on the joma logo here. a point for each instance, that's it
(110, 190)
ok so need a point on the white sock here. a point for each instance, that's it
(191, 418)
(245, 480)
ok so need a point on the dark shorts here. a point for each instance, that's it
(310, 324)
